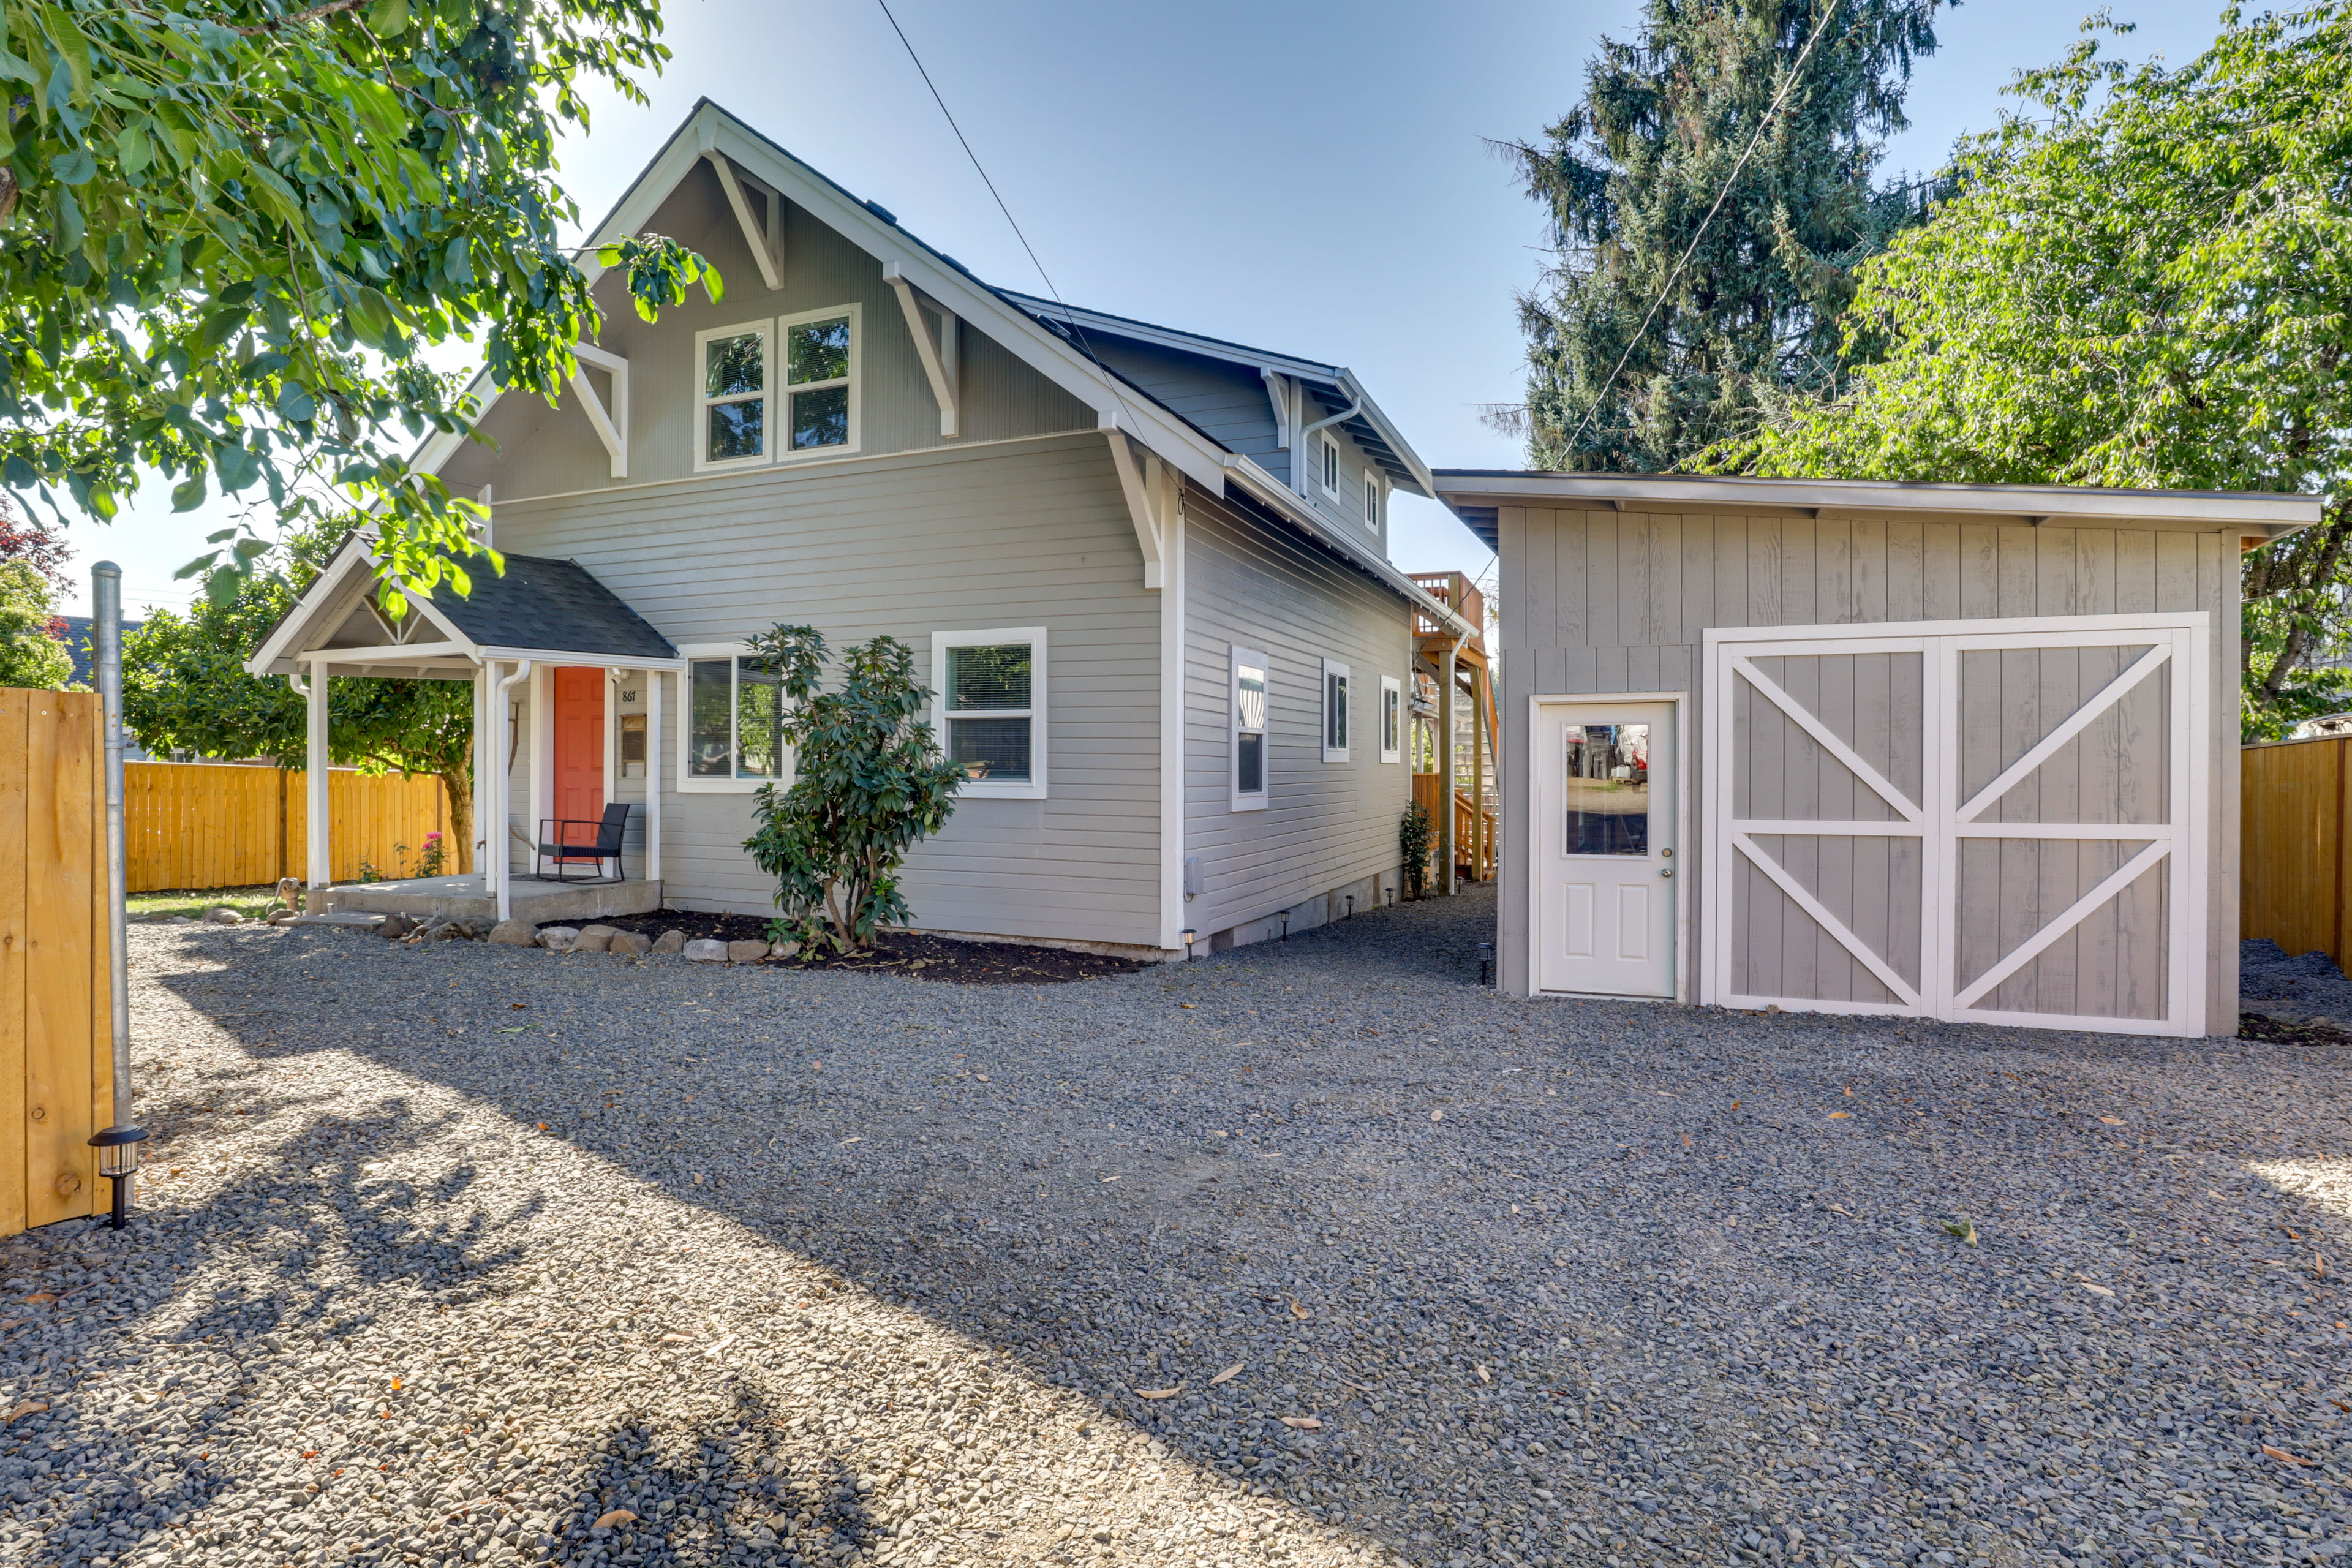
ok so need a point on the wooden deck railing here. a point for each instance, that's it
(1428, 793)
(1457, 593)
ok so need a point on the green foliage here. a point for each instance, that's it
(1629, 179)
(1416, 839)
(869, 784)
(2146, 280)
(185, 689)
(32, 654)
(229, 232)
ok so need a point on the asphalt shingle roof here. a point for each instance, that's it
(557, 606)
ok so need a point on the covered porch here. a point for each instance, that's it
(545, 626)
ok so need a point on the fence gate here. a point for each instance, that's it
(1992, 821)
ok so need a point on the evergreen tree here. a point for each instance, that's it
(1631, 177)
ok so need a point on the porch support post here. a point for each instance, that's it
(478, 852)
(503, 787)
(654, 751)
(317, 872)
(1447, 812)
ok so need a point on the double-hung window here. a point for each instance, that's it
(1249, 667)
(1372, 500)
(776, 390)
(733, 376)
(1335, 712)
(1327, 465)
(989, 709)
(1391, 719)
(733, 733)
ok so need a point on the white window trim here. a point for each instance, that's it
(1034, 786)
(1376, 498)
(686, 782)
(784, 389)
(1332, 666)
(1335, 486)
(1391, 703)
(703, 461)
(1238, 656)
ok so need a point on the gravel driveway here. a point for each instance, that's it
(455, 1251)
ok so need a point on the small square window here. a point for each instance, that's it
(990, 705)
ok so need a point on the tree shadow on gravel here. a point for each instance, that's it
(1538, 1283)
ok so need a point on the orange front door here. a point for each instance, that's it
(578, 700)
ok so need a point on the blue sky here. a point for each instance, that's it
(1310, 176)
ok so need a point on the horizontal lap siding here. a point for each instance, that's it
(1326, 825)
(1031, 533)
(1603, 601)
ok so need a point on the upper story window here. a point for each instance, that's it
(733, 733)
(990, 707)
(1391, 719)
(734, 394)
(807, 364)
(1249, 759)
(1327, 463)
(1372, 500)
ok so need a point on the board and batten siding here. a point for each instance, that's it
(543, 451)
(1327, 826)
(1015, 534)
(1598, 601)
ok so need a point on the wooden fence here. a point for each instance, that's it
(212, 825)
(56, 1032)
(2294, 876)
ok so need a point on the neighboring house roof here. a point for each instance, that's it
(1010, 319)
(77, 635)
(541, 607)
(1475, 494)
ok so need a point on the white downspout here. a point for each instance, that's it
(505, 787)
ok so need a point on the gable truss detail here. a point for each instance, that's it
(938, 353)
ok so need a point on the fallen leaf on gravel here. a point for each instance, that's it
(2112, 1120)
(2101, 1290)
(1840, 1115)
(1110, 1178)
(1299, 1312)
(615, 1520)
(2290, 1235)
(30, 1407)
(1359, 1387)
(1227, 1375)
(674, 1339)
(1735, 1105)
(2212, 1193)
(1309, 1424)
(1160, 1392)
(2283, 1457)
(38, 1296)
(1966, 1229)
(1483, 1375)
(1849, 1093)
(847, 1142)
(395, 1386)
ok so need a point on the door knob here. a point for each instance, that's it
(1665, 870)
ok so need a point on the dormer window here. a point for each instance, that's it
(1327, 464)
(734, 394)
(1372, 500)
(816, 369)
(806, 365)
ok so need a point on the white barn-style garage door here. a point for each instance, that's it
(1993, 821)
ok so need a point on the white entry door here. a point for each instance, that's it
(1992, 821)
(1603, 849)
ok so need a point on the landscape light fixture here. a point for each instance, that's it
(1486, 962)
(1191, 936)
(1351, 906)
(1285, 925)
(118, 1162)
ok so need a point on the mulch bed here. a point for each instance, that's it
(915, 957)
(2291, 1032)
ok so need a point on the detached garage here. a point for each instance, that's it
(1936, 751)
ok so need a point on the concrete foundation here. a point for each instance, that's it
(465, 898)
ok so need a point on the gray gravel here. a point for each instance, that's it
(817, 1268)
(2299, 985)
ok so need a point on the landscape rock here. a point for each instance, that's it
(784, 949)
(632, 943)
(558, 939)
(396, 926)
(594, 938)
(670, 942)
(706, 950)
(746, 952)
(514, 933)
(221, 915)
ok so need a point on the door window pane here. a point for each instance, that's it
(1607, 789)
(710, 736)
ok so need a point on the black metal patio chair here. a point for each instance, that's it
(557, 844)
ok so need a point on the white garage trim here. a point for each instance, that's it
(1954, 919)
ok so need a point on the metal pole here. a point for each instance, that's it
(119, 1144)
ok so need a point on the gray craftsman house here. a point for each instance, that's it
(1147, 572)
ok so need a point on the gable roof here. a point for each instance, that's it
(1007, 318)
(549, 604)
